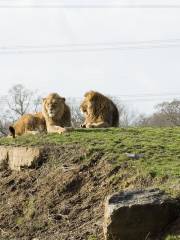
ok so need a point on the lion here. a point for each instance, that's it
(99, 111)
(54, 118)
(28, 123)
(56, 113)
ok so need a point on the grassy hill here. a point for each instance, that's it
(63, 198)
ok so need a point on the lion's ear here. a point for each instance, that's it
(63, 99)
(89, 94)
(86, 94)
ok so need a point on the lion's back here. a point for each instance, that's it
(28, 122)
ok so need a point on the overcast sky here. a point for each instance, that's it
(114, 72)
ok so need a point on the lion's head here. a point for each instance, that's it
(54, 105)
(99, 110)
(92, 104)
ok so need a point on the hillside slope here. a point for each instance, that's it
(63, 198)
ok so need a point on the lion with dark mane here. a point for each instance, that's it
(99, 111)
(54, 118)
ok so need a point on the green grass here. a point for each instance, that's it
(160, 147)
(173, 238)
(92, 237)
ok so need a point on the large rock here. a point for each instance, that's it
(138, 215)
(3, 157)
(17, 158)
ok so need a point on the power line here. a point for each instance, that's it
(170, 94)
(95, 46)
(155, 99)
(148, 97)
(132, 100)
(33, 50)
(93, 6)
(92, 44)
(137, 99)
(133, 96)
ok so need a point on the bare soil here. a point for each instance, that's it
(63, 198)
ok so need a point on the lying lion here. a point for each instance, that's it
(56, 113)
(99, 111)
(54, 118)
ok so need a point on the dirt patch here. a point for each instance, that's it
(63, 199)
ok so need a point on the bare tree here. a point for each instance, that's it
(142, 120)
(21, 100)
(170, 111)
(126, 117)
(16, 103)
(76, 115)
(4, 127)
(167, 114)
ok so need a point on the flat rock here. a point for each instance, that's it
(138, 215)
(3, 157)
(17, 158)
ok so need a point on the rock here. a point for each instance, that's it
(134, 155)
(138, 215)
(3, 157)
(17, 158)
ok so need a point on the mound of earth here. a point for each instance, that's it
(60, 200)
(63, 199)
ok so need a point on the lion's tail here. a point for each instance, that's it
(12, 131)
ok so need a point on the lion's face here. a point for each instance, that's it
(86, 107)
(83, 107)
(88, 103)
(54, 105)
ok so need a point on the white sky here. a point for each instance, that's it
(117, 72)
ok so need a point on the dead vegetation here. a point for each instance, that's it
(63, 199)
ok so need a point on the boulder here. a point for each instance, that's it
(3, 157)
(138, 215)
(17, 158)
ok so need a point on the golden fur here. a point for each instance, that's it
(56, 113)
(99, 111)
(28, 123)
(55, 117)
